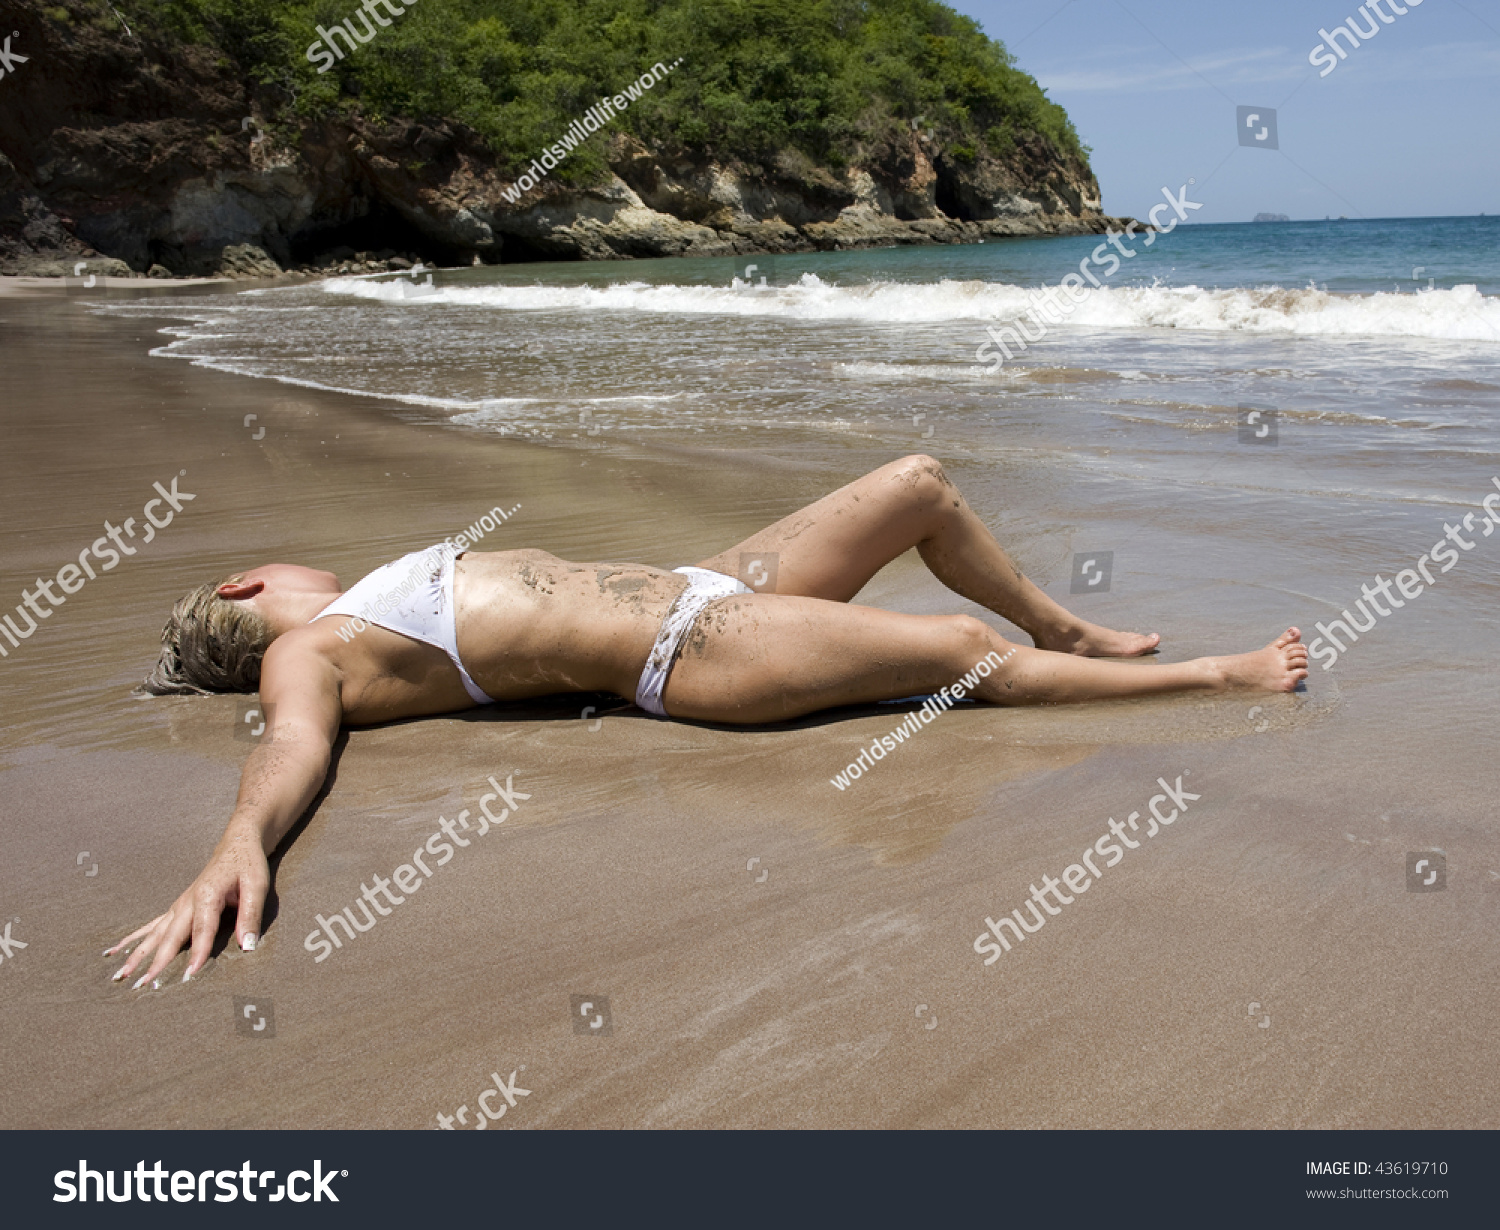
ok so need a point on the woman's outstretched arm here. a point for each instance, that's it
(299, 691)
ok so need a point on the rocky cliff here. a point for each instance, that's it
(132, 151)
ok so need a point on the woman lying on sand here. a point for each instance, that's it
(442, 632)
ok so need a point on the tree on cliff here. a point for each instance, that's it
(834, 79)
(777, 125)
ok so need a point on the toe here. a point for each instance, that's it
(1136, 643)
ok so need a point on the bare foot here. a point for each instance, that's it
(1279, 667)
(1091, 641)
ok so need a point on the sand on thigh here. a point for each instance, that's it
(765, 657)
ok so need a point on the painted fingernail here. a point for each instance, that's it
(156, 984)
(136, 986)
(119, 973)
(248, 943)
(187, 975)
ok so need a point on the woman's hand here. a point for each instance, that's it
(299, 685)
(238, 874)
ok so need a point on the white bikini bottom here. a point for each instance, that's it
(703, 587)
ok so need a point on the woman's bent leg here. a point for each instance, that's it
(761, 658)
(832, 548)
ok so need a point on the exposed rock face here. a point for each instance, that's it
(159, 157)
(244, 260)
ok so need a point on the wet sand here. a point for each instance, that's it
(773, 951)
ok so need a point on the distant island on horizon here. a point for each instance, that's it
(1270, 218)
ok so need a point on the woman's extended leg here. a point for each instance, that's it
(766, 658)
(831, 549)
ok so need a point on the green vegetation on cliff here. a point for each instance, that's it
(832, 78)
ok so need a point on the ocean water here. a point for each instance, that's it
(1383, 384)
(1322, 321)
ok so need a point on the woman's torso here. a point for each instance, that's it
(528, 624)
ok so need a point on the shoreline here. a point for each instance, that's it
(17, 285)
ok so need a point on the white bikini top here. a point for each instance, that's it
(412, 596)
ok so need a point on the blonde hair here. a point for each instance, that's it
(209, 645)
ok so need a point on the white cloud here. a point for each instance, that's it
(1147, 69)
(1434, 62)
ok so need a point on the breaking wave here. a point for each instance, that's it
(1457, 314)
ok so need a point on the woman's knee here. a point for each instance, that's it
(918, 481)
(984, 653)
(920, 471)
(973, 639)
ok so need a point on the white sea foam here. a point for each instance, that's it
(904, 372)
(1458, 314)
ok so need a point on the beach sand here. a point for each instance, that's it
(773, 951)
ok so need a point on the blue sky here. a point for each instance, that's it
(1406, 125)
